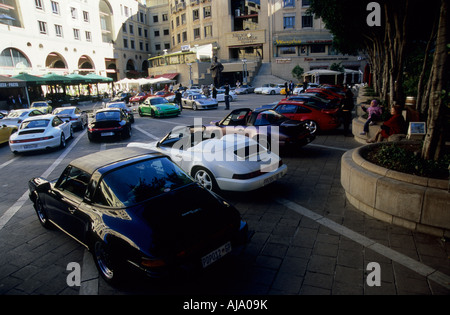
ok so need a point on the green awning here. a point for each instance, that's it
(52, 78)
(30, 79)
(98, 78)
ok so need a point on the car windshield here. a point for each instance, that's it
(16, 114)
(158, 101)
(38, 104)
(199, 96)
(139, 182)
(108, 115)
(63, 111)
(41, 123)
(268, 118)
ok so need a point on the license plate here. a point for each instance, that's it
(271, 179)
(216, 254)
(30, 146)
(107, 134)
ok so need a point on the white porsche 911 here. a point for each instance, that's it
(233, 162)
(40, 133)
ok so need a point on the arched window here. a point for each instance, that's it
(56, 61)
(106, 24)
(11, 57)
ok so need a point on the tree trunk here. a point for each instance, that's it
(439, 74)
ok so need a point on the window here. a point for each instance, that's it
(132, 46)
(74, 181)
(157, 46)
(196, 33)
(76, 34)
(289, 21)
(131, 28)
(74, 13)
(165, 17)
(185, 36)
(55, 7)
(58, 30)
(88, 36)
(86, 16)
(141, 46)
(139, 182)
(307, 21)
(183, 19)
(206, 12)
(11, 57)
(124, 27)
(306, 3)
(166, 32)
(155, 19)
(288, 3)
(287, 50)
(140, 31)
(196, 14)
(38, 4)
(42, 27)
(125, 43)
(156, 33)
(318, 49)
(208, 31)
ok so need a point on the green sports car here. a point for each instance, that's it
(158, 107)
(42, 106)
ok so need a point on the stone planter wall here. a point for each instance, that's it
(417, 203)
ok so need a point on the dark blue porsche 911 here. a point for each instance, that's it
(134, 207)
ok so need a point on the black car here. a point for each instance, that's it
(135, 207)
(264, 126)
(109, 122)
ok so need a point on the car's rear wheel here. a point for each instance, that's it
(105, 262)
(205, 178)
(62, 143)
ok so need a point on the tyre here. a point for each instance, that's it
(108, 268)
(205, 178)
(41, 212)
(62, 143)
(272, 92)
(312, 126)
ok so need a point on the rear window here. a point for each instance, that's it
(111, 115)
(42, 123)
(140, 181)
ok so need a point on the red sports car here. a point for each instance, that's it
(316, 118)
(328, 92)
(139, 98)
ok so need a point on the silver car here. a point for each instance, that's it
(78, 118)
(198, 101)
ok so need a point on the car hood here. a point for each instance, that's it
(166, 106)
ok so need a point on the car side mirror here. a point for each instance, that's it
(217, 123)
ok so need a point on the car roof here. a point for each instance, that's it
(94, 161)
(40, 117)
(109, 109)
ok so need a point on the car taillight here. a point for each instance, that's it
(30, 140)
(152, 263)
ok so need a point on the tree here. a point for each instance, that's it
(388, 48)
(297, 72)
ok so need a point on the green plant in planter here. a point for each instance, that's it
(405, 158)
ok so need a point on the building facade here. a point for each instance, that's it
(109, 38)
(139, 38)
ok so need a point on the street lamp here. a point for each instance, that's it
(244, 75)
(190, 74)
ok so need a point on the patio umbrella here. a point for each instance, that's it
(98, 78)
(30, 79)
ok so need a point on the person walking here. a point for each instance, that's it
(346, 109)
(178, 99)
(227, 96)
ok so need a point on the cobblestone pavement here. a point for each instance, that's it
(306, 239)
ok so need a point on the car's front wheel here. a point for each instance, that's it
(41, 212)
